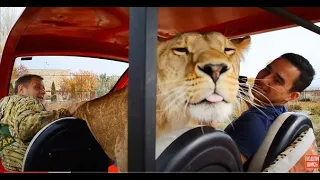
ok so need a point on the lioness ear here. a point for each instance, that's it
(161, 39)
(242, 43)
(161, 45)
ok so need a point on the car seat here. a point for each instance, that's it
(197, 149)
(68, 145)
(284, 133)
(65, 145)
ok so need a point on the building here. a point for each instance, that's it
(50, 76)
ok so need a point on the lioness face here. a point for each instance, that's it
(198, 75)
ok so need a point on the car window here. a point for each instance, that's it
(70, 79)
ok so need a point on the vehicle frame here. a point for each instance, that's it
(145, 25)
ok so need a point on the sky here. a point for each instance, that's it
(264, 47)
(270, 45)
(74, 64)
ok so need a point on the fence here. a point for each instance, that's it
(310, 95)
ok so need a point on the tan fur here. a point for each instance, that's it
(180, 82)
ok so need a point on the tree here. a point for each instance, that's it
(73, 95)
(18, 72)
(105, 84)
(8, 16)
(81, 85)
(101, 88)
(53, 92)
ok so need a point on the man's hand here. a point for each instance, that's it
(243, 158)
(75, 106)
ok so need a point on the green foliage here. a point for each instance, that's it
(105, 84)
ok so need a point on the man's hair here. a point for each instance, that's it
(25, 79)
(306, 71)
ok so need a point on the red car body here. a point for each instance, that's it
(103, 32)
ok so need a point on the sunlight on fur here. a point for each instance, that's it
(197, 80)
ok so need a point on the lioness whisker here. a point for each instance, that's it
(164, 93)
(186, 106)
(252, 103)
(170, 97)
(254, 106)
(257, 91)
(246, 94)
(248, 100)
(171, 81)
(173, 102)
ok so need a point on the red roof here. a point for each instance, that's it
(103, 31)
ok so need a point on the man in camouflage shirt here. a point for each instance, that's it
(21, 116)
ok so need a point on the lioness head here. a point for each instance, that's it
(198, 77)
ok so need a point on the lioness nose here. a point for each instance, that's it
(214, 70)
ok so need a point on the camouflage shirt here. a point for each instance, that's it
(24, 116)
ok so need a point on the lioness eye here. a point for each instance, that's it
(229, 51)
(181, 51)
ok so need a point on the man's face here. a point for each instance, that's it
(34, 88)
(275, 81)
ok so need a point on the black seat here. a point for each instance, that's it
(200, 149)
(65, 145)
(288, 126)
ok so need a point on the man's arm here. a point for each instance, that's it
(248, 132)
(244, 159)
(29, 116)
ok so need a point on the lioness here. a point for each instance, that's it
(197, 80)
